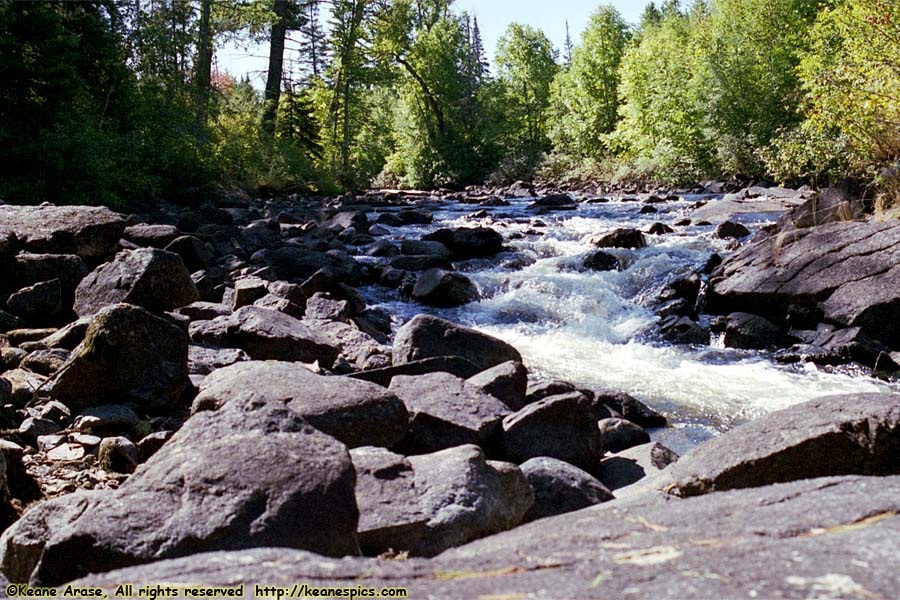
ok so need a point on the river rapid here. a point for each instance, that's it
(590, 328)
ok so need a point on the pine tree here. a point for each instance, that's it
(313, 47)
(569, 45)
(482, 67)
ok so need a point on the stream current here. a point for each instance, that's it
(590, 328)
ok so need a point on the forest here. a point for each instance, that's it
(113, 102)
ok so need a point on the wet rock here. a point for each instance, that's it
(466, 497)
(382, 248)
(620, 434)
(265, 335)
(355, 412)
(845, 269)
(90, 232)
(601, 261)
(153, 279)
(622, 238)
(730, 230)
(838, 435)
(429, 337)
(507, 382)
(683, 330)
(128, 356)
(425, 248)
(118, 454)
(41, 303)
(221, 482)
(660, 229)
(752, 332)
(469, 242)
(390, 516)
(445, 411)
(346, 219)
(630, 408)
(562, 427)
(554, 202)
(436, 287)
(151, 236)
(560, 488)
(419, 263)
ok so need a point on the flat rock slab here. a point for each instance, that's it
(357, 413)
(847, 270)
(837, 435)
(253, 474)
(91, 232)
(428, 337)
(719, 211)
(826, 538)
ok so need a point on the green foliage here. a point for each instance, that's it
(585, 96)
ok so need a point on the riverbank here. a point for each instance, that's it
(243, 331)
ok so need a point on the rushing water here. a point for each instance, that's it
(589, 328)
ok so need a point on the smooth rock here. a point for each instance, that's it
(619, 434)
(560, 488)
(440, 288)
(428, 337)
(507, 382)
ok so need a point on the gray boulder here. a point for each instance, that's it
(153, 279)
(752, 332)
(619, 434)
(436, 287)
(466, 497)
(445, 411)
(621, 471)
(837, 435)
(128, 356)
(41, 303)
(253, 474)
(468, 242)
(507, 382)
(622, 238)
(357, 413)
(560, 488)
(151, 236)
(91, 232)
(429, 337)
(562, 427)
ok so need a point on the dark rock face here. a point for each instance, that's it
(419, 263)
(601, 261)
(41, 303)
(622, 238)
(195, 254)
(425, 248)
(454, 365)
(445, 411)
(221, 483)
(436, 287)
(731, 231)
(751, 332)
(560, 488)
(619, 434)
(630, 408)
(151, 236)
(554, 202)
(357, 413)
(153, 279)
(390, 515)
(128, 356)
(507, 382)
(831, 205)
(88, 231)
(848, 270)
(466, 243)
(683, 330)
(562, 427)
(808, 538)
(266, 334)
(29, 269)
(466, 497)
(839, 435)
(429, 337)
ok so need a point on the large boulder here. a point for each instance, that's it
(128, 356)
(266, 334)
(251, 475)
(466, 497)
(153, 279)
(357, 413)
(28, 269)
(91, 232)
(507, 382)
(560, 488)
(390, 515)
(622, 238)
(41, 303)
(847, 270)
(428, 337)
(437, 287)
(468, 242)
(562, 427)
(454, 365)
(445, 411)
(752, 332)
(838, 435)
(809, 539)
(152, 236)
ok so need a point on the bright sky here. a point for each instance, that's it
(493, 18)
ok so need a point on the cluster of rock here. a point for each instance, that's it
(255, 400)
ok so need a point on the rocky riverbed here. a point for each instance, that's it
(233, 392)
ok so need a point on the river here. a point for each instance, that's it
(590, 327)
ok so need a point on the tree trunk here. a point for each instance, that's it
(204, 66)
(276, 66)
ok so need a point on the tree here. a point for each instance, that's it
(276, 64)
(526, 64)
(585, 97)
(568, 46)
